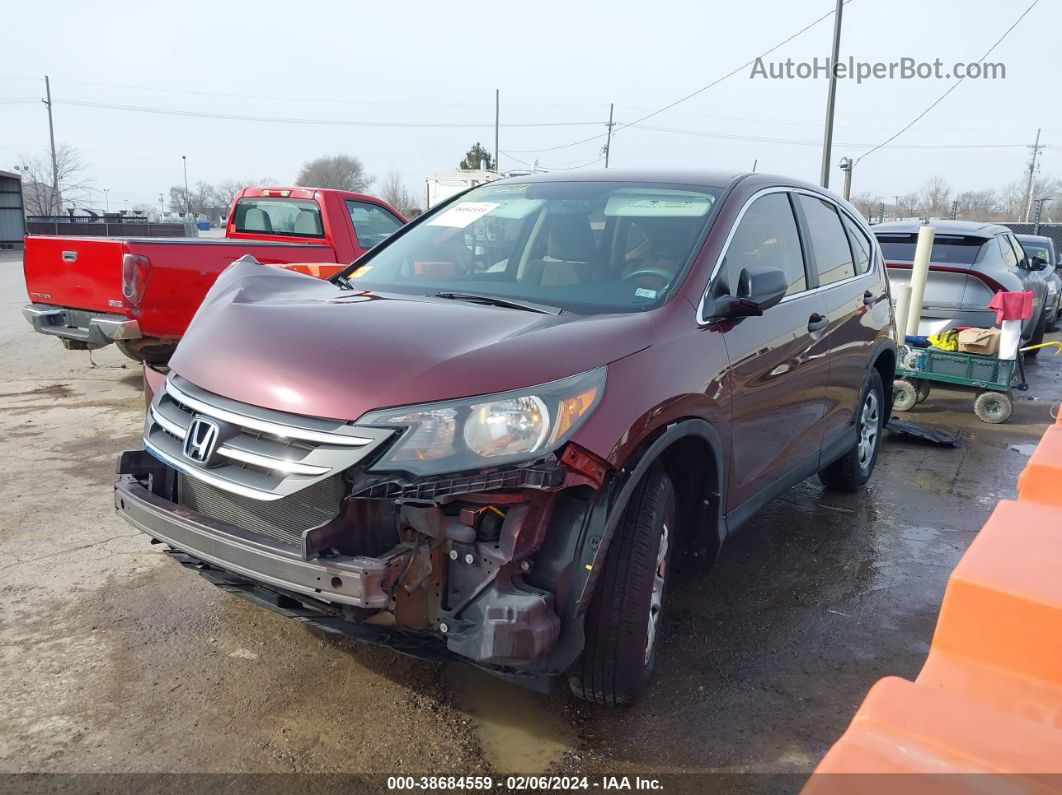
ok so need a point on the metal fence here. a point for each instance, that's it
(1051, 230)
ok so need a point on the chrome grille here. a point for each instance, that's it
(260, 454)
(283, 520)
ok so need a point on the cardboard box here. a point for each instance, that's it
(984, 341)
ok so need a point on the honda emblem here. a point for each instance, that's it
(200, 441)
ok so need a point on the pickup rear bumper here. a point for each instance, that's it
(92, 328)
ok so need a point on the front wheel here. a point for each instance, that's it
(851, 471)
(623, 620)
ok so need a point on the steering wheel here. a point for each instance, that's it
(659, 273)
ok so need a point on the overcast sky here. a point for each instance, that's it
(558, 63)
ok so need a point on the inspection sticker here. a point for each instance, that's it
(463, 214)
(643, 292)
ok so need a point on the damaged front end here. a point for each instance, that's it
(342, 525)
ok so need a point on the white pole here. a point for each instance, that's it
(919, 274)
(903, 305)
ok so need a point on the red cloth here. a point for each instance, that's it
(1012, 306)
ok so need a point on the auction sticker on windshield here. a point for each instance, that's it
(463, 214)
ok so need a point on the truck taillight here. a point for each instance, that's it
(135, 271)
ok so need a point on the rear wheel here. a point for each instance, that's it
(851, 471)
(993, 407)
(623, 620)
(147, 351)
(923, 390)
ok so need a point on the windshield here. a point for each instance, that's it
(587, 247)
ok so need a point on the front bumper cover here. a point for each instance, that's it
(92, 328)
(356, 581)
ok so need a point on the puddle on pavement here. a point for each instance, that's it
(520, 731)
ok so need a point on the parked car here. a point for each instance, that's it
(495, 435)
(1039, 247)
(969, 264)
(140, 293)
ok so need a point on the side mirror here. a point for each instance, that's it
(758, 289)
(1037, 264)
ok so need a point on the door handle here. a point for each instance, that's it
(817, 322)
(868, 298)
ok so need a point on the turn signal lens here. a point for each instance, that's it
(573, 409)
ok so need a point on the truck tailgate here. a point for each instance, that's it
(76, 272)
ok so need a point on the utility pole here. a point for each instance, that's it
(162, 204)
(497, 118)
(846, 165)
(608, 135)
(881, 212)
(1032, 170)
(897, 207)
(954, 209)
(831, 97)
(755, 163)
(106, 200)
(187, 196)
(54, 201)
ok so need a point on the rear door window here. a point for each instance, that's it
(372, 223)
(833, 256)
(861, 248)
(767, 237)
(280, 217)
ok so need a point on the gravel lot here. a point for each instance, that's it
(117, 659)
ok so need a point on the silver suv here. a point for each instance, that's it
(970, 263)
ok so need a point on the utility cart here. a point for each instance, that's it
(991, 376)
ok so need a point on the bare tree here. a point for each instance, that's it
(978, 205)
(910, 204)
(341, 172)
(395, 193)
(935, 197)
(867, 203)
(41, 194)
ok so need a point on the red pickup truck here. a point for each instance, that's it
(141, 293)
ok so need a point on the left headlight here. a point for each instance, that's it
(471, 433)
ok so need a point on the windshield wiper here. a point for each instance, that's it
(493, 300)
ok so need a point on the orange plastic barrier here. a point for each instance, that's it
(1042, 479)
(989, 698)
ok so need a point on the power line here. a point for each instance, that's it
(807, 142)
(951, 88)
(325, 122)
(315, 100)
(700, 90)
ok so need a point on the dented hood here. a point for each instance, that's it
(290, 342)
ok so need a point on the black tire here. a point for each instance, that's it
(618, 656)
(1037, 337)
(851, 471)
(157, 353)
(904, 395)
(924, 389)
(993, 407)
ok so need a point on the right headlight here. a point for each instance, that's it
(488, 430)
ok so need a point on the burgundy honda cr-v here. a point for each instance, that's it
(494, 436)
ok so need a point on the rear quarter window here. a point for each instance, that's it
(280, 217)
(861, 246)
